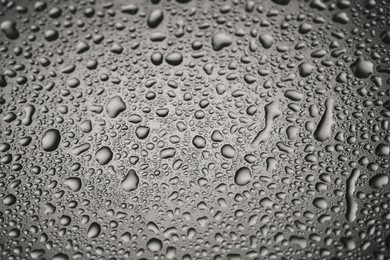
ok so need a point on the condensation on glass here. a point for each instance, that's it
(194, 129)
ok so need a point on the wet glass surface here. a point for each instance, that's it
(194, 129)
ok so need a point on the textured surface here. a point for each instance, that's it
(194, 129)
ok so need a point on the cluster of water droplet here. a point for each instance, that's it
(194, 129)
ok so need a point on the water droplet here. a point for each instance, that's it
(103, 155)
(130, 182)
(243, 176)
(50, 140)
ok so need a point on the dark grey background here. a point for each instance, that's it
(194, 129)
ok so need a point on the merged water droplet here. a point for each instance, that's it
(130, 182)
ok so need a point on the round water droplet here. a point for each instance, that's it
(94, 230)
(243, 176)
(155, 18)
(199, 142)
(73, 183)
(228, 151)
(50, 140)
(174, 58)
(154, 245)
(103, 155)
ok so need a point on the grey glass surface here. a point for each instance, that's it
(194, 129)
